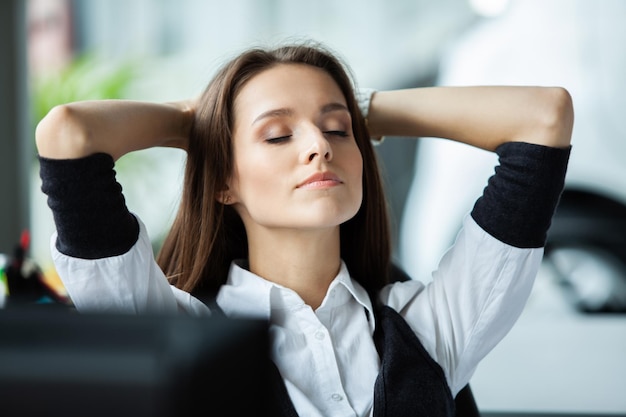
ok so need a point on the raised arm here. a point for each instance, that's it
(483, 281)
(485, 117)
(115, 127)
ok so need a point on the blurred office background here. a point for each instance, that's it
(568, 352)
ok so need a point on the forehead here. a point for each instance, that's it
(292, 86)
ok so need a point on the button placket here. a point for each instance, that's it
(321, 336)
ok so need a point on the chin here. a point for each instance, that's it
(327, 219)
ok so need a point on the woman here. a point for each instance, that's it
(283, 217)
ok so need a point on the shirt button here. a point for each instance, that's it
(336, 397)
(319, 335)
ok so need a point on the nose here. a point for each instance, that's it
(319, 147)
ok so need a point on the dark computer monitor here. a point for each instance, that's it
(69, 364)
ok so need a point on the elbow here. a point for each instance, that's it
(61, 134)
(557, 117)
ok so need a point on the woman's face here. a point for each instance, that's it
(297, 164)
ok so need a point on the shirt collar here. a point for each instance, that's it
(248, 295)
(244, 293)
(355, 290)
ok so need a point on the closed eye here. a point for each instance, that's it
(340, 133)
(279, 139)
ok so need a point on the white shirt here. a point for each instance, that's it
(327, 357)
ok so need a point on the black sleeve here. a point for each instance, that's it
(520, 199)
(88, 206)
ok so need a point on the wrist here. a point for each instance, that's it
(364, 99)
(185, 115)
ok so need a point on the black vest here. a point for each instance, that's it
(410, 382)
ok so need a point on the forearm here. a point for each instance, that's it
(485, 117)
(115, 127)
(89, 210)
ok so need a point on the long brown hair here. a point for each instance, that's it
(207, 235)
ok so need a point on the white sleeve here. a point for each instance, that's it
(476, 295)
(128, 283)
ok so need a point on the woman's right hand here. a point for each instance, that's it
(115, 127)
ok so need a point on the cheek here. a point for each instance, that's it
(352, 167)
(360, 181)
(253, 175)
(355, 166)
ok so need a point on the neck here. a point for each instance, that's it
(304, 261)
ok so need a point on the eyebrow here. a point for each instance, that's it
(327, 108)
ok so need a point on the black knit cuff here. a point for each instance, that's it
(519, 201)
(89, 209)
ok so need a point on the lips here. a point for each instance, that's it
(321, 180)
